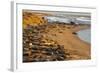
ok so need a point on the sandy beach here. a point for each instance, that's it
(43, 41)
(72, 44)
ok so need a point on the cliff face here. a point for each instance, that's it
(34, 19)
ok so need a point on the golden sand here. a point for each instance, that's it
(63, 34)
(76, 47)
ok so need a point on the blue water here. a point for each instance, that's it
(85, 35)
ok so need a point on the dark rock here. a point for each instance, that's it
(74, 33)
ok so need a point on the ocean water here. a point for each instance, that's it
(85, 35)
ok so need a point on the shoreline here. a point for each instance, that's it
(80, 27)
(78, 48)
(85, 51)
(56, 41)
(61, 35)
(85, 35)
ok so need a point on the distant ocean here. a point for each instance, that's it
(85, 35)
